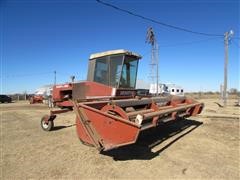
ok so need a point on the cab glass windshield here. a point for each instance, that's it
(129, 72)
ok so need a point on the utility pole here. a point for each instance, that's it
(227, 37)
(55, 77)
(157, 63)
(225, 69)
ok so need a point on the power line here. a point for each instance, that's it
(156, 21)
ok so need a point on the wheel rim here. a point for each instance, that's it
(44, 125)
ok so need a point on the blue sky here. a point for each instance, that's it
(39, 37)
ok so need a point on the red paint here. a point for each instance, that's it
(61, 94)
(115, 129)
(112, 131)
(36, 99)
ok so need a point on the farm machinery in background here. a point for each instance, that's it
(109, 112)
(36, 98)
(41, 95)
(54, 95)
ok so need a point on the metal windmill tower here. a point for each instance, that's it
(154, 76)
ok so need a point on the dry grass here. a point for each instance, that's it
(210, 151)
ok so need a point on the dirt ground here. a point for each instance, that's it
(202, 147)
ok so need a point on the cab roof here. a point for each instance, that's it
(114, 52)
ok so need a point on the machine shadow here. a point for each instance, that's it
(56, 128)
(151, 138)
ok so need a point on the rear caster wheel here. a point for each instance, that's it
(46, 126)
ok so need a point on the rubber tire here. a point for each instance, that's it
(50, 125)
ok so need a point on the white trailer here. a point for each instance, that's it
(167, 89)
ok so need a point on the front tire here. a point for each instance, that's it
(47, 126)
